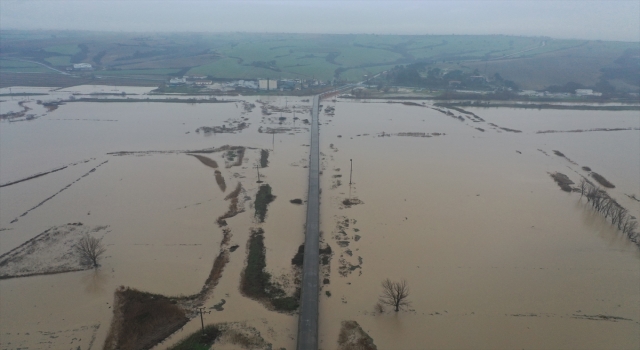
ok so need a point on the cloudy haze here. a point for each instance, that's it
(604, 20)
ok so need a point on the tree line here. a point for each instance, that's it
(611, 209)
(419, 75)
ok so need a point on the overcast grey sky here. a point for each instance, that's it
(584, 19)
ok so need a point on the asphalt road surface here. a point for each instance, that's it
(308, 318)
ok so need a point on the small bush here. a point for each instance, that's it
(264, 158)
(199, 340)
(325, 251)
(255, 279)
(256, 282)
(287, 304)
(601, 180)
(263, 198)
(298, 259)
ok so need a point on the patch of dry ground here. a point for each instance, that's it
(52, 251)
(352, 337)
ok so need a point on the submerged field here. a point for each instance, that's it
(460, 204)
(162, 207)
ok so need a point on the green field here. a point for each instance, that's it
(10, 66)
(137, 72)
(63, 49)
(532, 62)
(61, 61)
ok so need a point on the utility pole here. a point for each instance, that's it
(258, 169)
(350, 172)
(201, 318)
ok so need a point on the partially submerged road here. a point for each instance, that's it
(308, 319)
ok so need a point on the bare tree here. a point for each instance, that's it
(608, 208)
(90, 249)
(615, 214)
(584, 186)
(619, 217)
(629, 225)
(395, 294)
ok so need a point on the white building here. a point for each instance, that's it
(82, 66)
(177, 81)
(584, 92)
(265, 84)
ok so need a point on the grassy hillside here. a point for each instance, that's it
(532, 62)
(581, 64)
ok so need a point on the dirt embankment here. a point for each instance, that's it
(206, 160)
(141, 320)
(601, 180)
(63, 189)
(33, 176)
(199, 151)
(234, 208)
(563, 181)
(37, 175)
(223, 129)
(220, 181)
(586, 130)
(560, 154)
(15, 115)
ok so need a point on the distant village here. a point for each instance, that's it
(257, 84)
(208, 83)
(80, 67)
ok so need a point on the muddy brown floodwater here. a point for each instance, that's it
(160, 206)
(494, 253)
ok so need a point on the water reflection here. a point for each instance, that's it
(95, 281)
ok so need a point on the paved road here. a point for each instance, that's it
(308, 319)
(44, 65)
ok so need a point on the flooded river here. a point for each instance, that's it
(494, 253)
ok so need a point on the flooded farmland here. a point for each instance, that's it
(461, 206)
(129, 167)
(496, 256)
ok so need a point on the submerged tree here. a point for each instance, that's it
(395, 294)
(90, 250)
